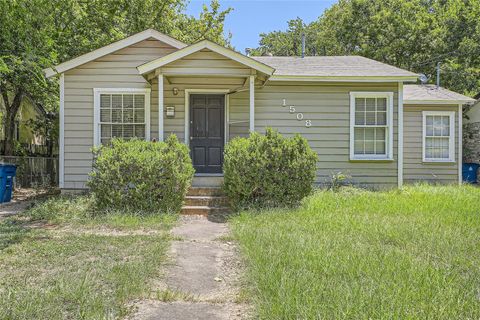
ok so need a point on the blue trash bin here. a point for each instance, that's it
(7, 173)
(469, 172)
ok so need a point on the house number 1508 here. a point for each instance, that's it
(299, 115)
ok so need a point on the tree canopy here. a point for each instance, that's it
(35, 34)
(410, 34)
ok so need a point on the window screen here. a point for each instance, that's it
(122, 116)
(370, 126)
(437, 137)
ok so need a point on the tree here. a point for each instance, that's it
(25, 49)
(413, 34)
(36, 34)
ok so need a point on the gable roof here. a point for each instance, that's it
(75, 62)
(431, 94)
(206, 44)
(333, 67)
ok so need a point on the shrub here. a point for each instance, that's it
(141, 175)
(268, 170)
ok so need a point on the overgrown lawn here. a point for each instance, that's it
(60, 260)
(410, 254)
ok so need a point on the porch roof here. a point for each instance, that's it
(202, 45)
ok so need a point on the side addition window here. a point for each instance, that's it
(438, 136)
(121, 115)
(371, 126)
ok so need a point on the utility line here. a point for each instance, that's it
(443, 55)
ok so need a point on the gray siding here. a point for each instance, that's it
(200, 63)
(328, 106)
(117, 70)
(415, 170)
(176, 125)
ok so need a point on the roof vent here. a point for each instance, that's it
(303, 45)
(248, 51)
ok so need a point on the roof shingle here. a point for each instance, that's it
(428, 92)
(332, 66)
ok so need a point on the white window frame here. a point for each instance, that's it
(96, 107)
(389, 135)
(451, 141)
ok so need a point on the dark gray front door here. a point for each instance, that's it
(207, 132)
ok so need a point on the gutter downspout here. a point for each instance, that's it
(400, 135)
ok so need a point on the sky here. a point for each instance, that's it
(249, 18)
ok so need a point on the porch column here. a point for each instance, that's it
(252, 103)
(160, 107)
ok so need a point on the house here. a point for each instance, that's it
(361, 116)
(24, 133)
(471, 135)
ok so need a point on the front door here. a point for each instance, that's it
(207, 132)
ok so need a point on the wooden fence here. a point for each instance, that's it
(33, 149)
(34, 172)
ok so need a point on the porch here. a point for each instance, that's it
(204, 94)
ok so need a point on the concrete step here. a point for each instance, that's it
(205, 191)
(207, 181)
(210, 201)
(204, 210)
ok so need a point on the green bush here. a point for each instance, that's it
(141, 175)
(268, 170)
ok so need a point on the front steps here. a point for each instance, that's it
(207, 180)
(205, 201)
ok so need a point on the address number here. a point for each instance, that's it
(299, 115)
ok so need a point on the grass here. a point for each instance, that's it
(59, 260)
(410, 254)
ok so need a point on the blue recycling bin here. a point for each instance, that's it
(469, 172)
(7, 173)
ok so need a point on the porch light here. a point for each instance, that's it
(175, 91)
(170, 111)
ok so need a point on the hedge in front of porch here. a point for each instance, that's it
(268, 170)
(141, 175)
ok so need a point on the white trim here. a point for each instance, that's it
(438, 102)
(149, 33)
(460, 143)
(400, 135)
(205, 44)
(227, 117)
(451, 144)
(187, 108)
(96, 109)
(389, 147)
(161, 129)
(252, 104)
(61, 164)
(344, 78)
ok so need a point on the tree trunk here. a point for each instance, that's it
(11, 111)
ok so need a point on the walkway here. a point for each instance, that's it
(202, 280)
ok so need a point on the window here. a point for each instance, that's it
(371, 129)
(121, 113)
(438, 136)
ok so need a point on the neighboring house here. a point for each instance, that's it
(23, 132)
(356, 113)
(471, 135)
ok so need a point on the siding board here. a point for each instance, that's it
(326, 104)
(116, 70)
(415, 170)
